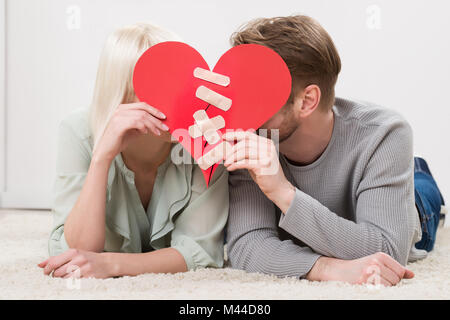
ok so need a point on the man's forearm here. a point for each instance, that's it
(167, 260)
(325, 269)
(260, 251)
(328, 234)
(253, 241)
(283, 196)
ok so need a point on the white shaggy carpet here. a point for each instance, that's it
(23, 244)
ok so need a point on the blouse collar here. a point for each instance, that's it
(174, 181)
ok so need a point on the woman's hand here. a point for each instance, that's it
(79, 264)
(128, 121)
(86, 264)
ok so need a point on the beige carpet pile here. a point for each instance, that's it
(23, 243)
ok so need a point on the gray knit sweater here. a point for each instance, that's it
(355, 200)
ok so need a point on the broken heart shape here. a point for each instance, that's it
(260, 84)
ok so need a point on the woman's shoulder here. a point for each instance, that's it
(74, 149)
(77, 123)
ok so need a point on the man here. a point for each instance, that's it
(340, 205)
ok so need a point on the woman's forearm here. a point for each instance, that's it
(85, 226)
(167, 260)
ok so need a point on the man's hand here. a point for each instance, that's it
(79, 263)
(378, 268)
(260, 157)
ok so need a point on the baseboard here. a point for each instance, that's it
(24, 200)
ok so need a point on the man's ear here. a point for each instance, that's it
(309, 99)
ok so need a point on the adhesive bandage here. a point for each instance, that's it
(195, 132)
(210, 76)
(204, 126)
(215, 155)
(213, 98)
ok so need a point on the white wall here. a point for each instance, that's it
(2, 99)
(394, 53)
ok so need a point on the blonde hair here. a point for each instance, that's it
(114, 83)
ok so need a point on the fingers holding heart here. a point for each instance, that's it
(250, 152)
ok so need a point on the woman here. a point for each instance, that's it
(122, 207)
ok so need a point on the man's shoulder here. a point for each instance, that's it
(372, 128)
(77, 121)
(369, 115)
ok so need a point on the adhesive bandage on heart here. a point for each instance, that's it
(204, 126)
(214, 155)
(213, 98)
(210, 76)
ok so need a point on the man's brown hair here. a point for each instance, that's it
(305, 46)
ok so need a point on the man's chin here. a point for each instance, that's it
(267, 133)
(264, 132)
(284, 137)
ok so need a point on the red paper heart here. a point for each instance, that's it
(260, 84)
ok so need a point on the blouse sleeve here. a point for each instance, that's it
(198, 232)
(72, 164)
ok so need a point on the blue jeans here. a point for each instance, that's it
(428, 202)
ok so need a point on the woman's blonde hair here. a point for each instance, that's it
(114, 83)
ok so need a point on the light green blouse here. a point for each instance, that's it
(182, 213)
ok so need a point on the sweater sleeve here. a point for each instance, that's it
(385, 216)
(252, 235)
